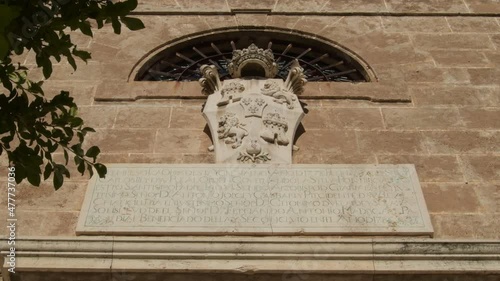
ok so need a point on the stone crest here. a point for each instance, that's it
(253, 118)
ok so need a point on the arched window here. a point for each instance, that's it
(322, 60)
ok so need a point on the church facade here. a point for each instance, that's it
(388, 82)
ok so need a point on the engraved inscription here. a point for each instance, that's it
(261, 198)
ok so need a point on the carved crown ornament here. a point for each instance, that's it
(253, 116)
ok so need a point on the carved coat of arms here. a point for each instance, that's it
(253, 117)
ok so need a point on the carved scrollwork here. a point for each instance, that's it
(231, 130)
(211, 80)
(296, 79)
(275, 128)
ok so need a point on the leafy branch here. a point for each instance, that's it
(32, 127)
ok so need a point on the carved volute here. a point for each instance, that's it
(253, 117)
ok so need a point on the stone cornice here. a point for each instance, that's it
(315, 255)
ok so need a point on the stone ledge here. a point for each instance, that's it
(256, 255)
(144, 90)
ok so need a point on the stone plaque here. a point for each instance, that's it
(157, 199)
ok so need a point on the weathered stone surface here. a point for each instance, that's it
(483, 6)
(430, 168)
(473, 24)
(422, 118)
(460, 198)
(255, 199)
(354, 6)
(123, 140)
(297, 6)
(251, 4)
(484, 76)
(181, 141)
(452, 41)
(451, 142)
(423, 6)
(98, 116)
(390, 142)
(460, 58)
(140, 117)
(321, 141)
(459, 96)
(343, 118)
(481, 118)
(415, 24)
(482, 168)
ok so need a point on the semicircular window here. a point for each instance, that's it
(321, 61)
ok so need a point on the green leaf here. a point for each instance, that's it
(47, 68)
(81, 167)
(85, 28)
(58, 179)
(7, 15)
(132, 23)
(83, 55)
(101, 170)
(93, 152)
(66, 157)
(48, 171)
(34, 178)
(117, 27)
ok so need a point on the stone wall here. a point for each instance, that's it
(438, 61)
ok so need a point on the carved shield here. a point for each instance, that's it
(253, 121)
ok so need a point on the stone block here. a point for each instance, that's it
(101, 52)
(297, 6)
(45, 198)
(351, 27)
(455, 95)
(123, 140)
(169, 158)
(462, 142)
(98, 116)
(482, 168)
(484, 76)
(251, 4)
(460, 58)
(452, 41)
(316, 24)
(355, 6)
(481, 118)
(431, 74)
(426, 6)
(489, 196)
(343, 118)
(483, 6)
(331, 158)
(220, 21)
(143, 117)
(390, 142)
(415, 24)
(328, 141)
(203, 6)
(472, 226)
(473, 24)
(421, 118)
(250, 20)
(430, 168)
(187, 118)
(181, 141)
(379, 47)
(282, 21)
(450, 198)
